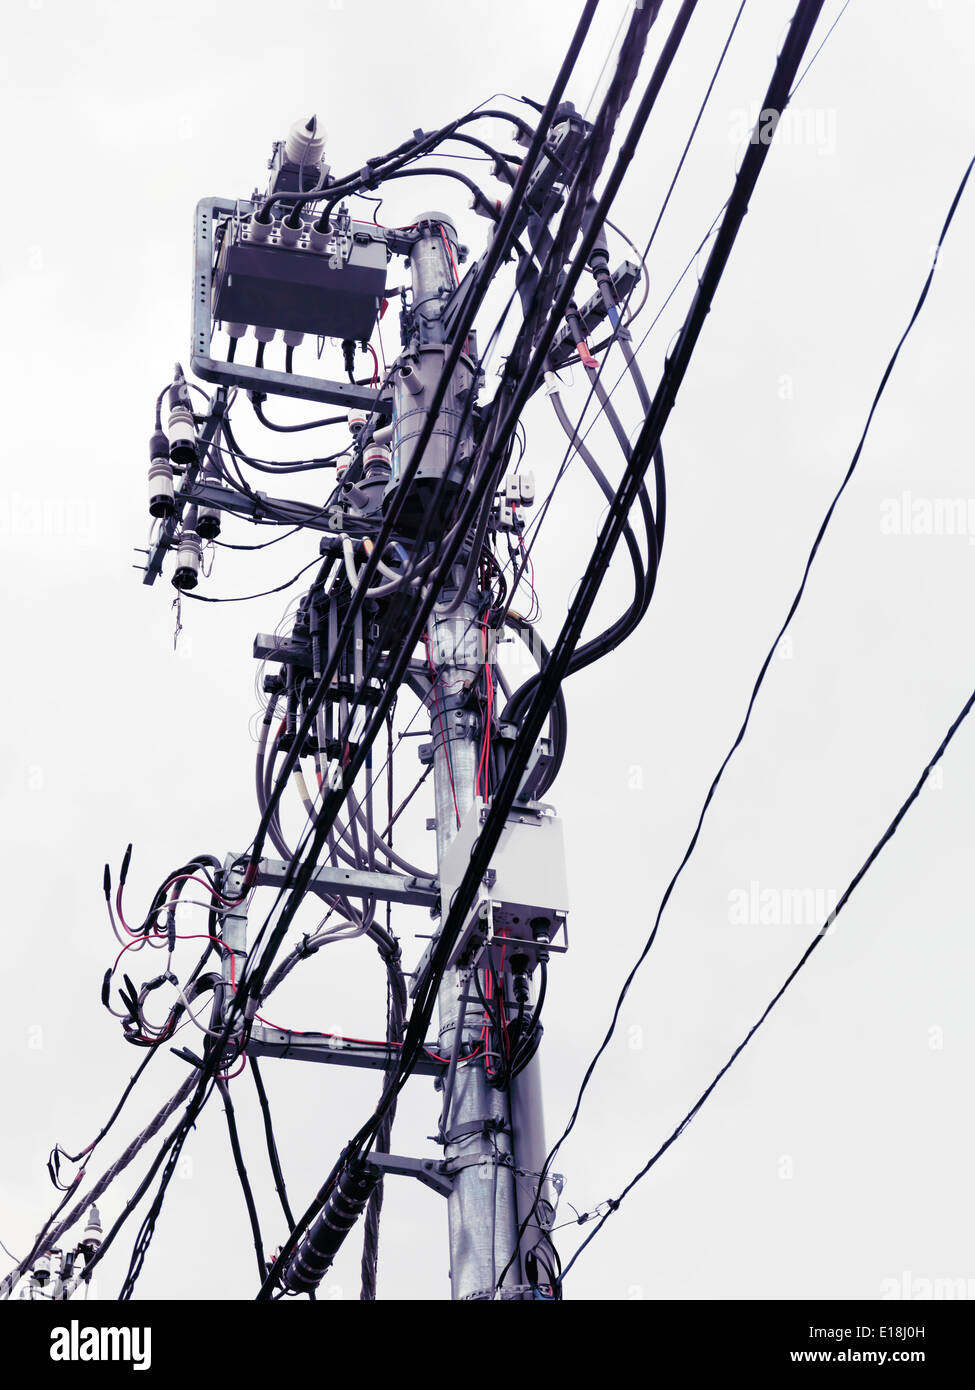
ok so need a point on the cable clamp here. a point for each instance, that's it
(510, 1291)
(486, 1127)
(453, 1166)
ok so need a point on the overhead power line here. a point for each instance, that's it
(614, 1203)
(760, 679)
(421, 590)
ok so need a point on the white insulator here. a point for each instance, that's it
(161, 496)
(292, 338)
(260, 231)
(182, 435)
(189, 558)
(289, 234)
(357, 418)
(93, 1230)
(305, 143)
(264, 335)
(377, 455)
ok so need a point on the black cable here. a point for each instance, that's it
(481, 200)
(292, 466)
(621, 327)
(501, 805)
(170, 1149)
(674, 372)
(848, 892)
(272, 1148)
(245, 598)
(263, 545)
(294, 429)
(760, 679)
(498, 245)
(486, 270)
(245, 1186)
(487, 267)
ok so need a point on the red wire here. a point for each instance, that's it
(453, 266)
(450, 255)
(229, 1075)
(504, 1021)
(341, 1037)
(375, 363)
(180, 878)
(483, 762)
(487, 1022)
(191, 878)
(180, 936)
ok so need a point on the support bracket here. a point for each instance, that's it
(429, 1171)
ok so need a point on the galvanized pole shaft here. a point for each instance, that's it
(481, 1208)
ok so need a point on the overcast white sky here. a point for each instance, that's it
(837, 1154)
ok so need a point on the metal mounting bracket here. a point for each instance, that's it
(429, 1171)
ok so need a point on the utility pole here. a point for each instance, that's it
(476, 1124)
(410, 593)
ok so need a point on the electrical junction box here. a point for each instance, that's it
(521, 907)
(334, 290)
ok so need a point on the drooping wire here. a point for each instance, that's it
(614, 1203)
(245, 1186)
(760, 679)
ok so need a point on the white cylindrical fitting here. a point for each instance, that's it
(357, 418)
(292, 338)
(290, 234)
(410, 379)
(377, 456)
(260, 231)
(264, 335)
(161, 497)
(182, 435)
(188, 561)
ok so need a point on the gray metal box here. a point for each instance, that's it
(298, 287)
(526, 895)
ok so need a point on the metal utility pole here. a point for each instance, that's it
(477, 1138)
(476, 1124)
(411, 593)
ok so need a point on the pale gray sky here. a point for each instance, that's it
(836, 1154)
